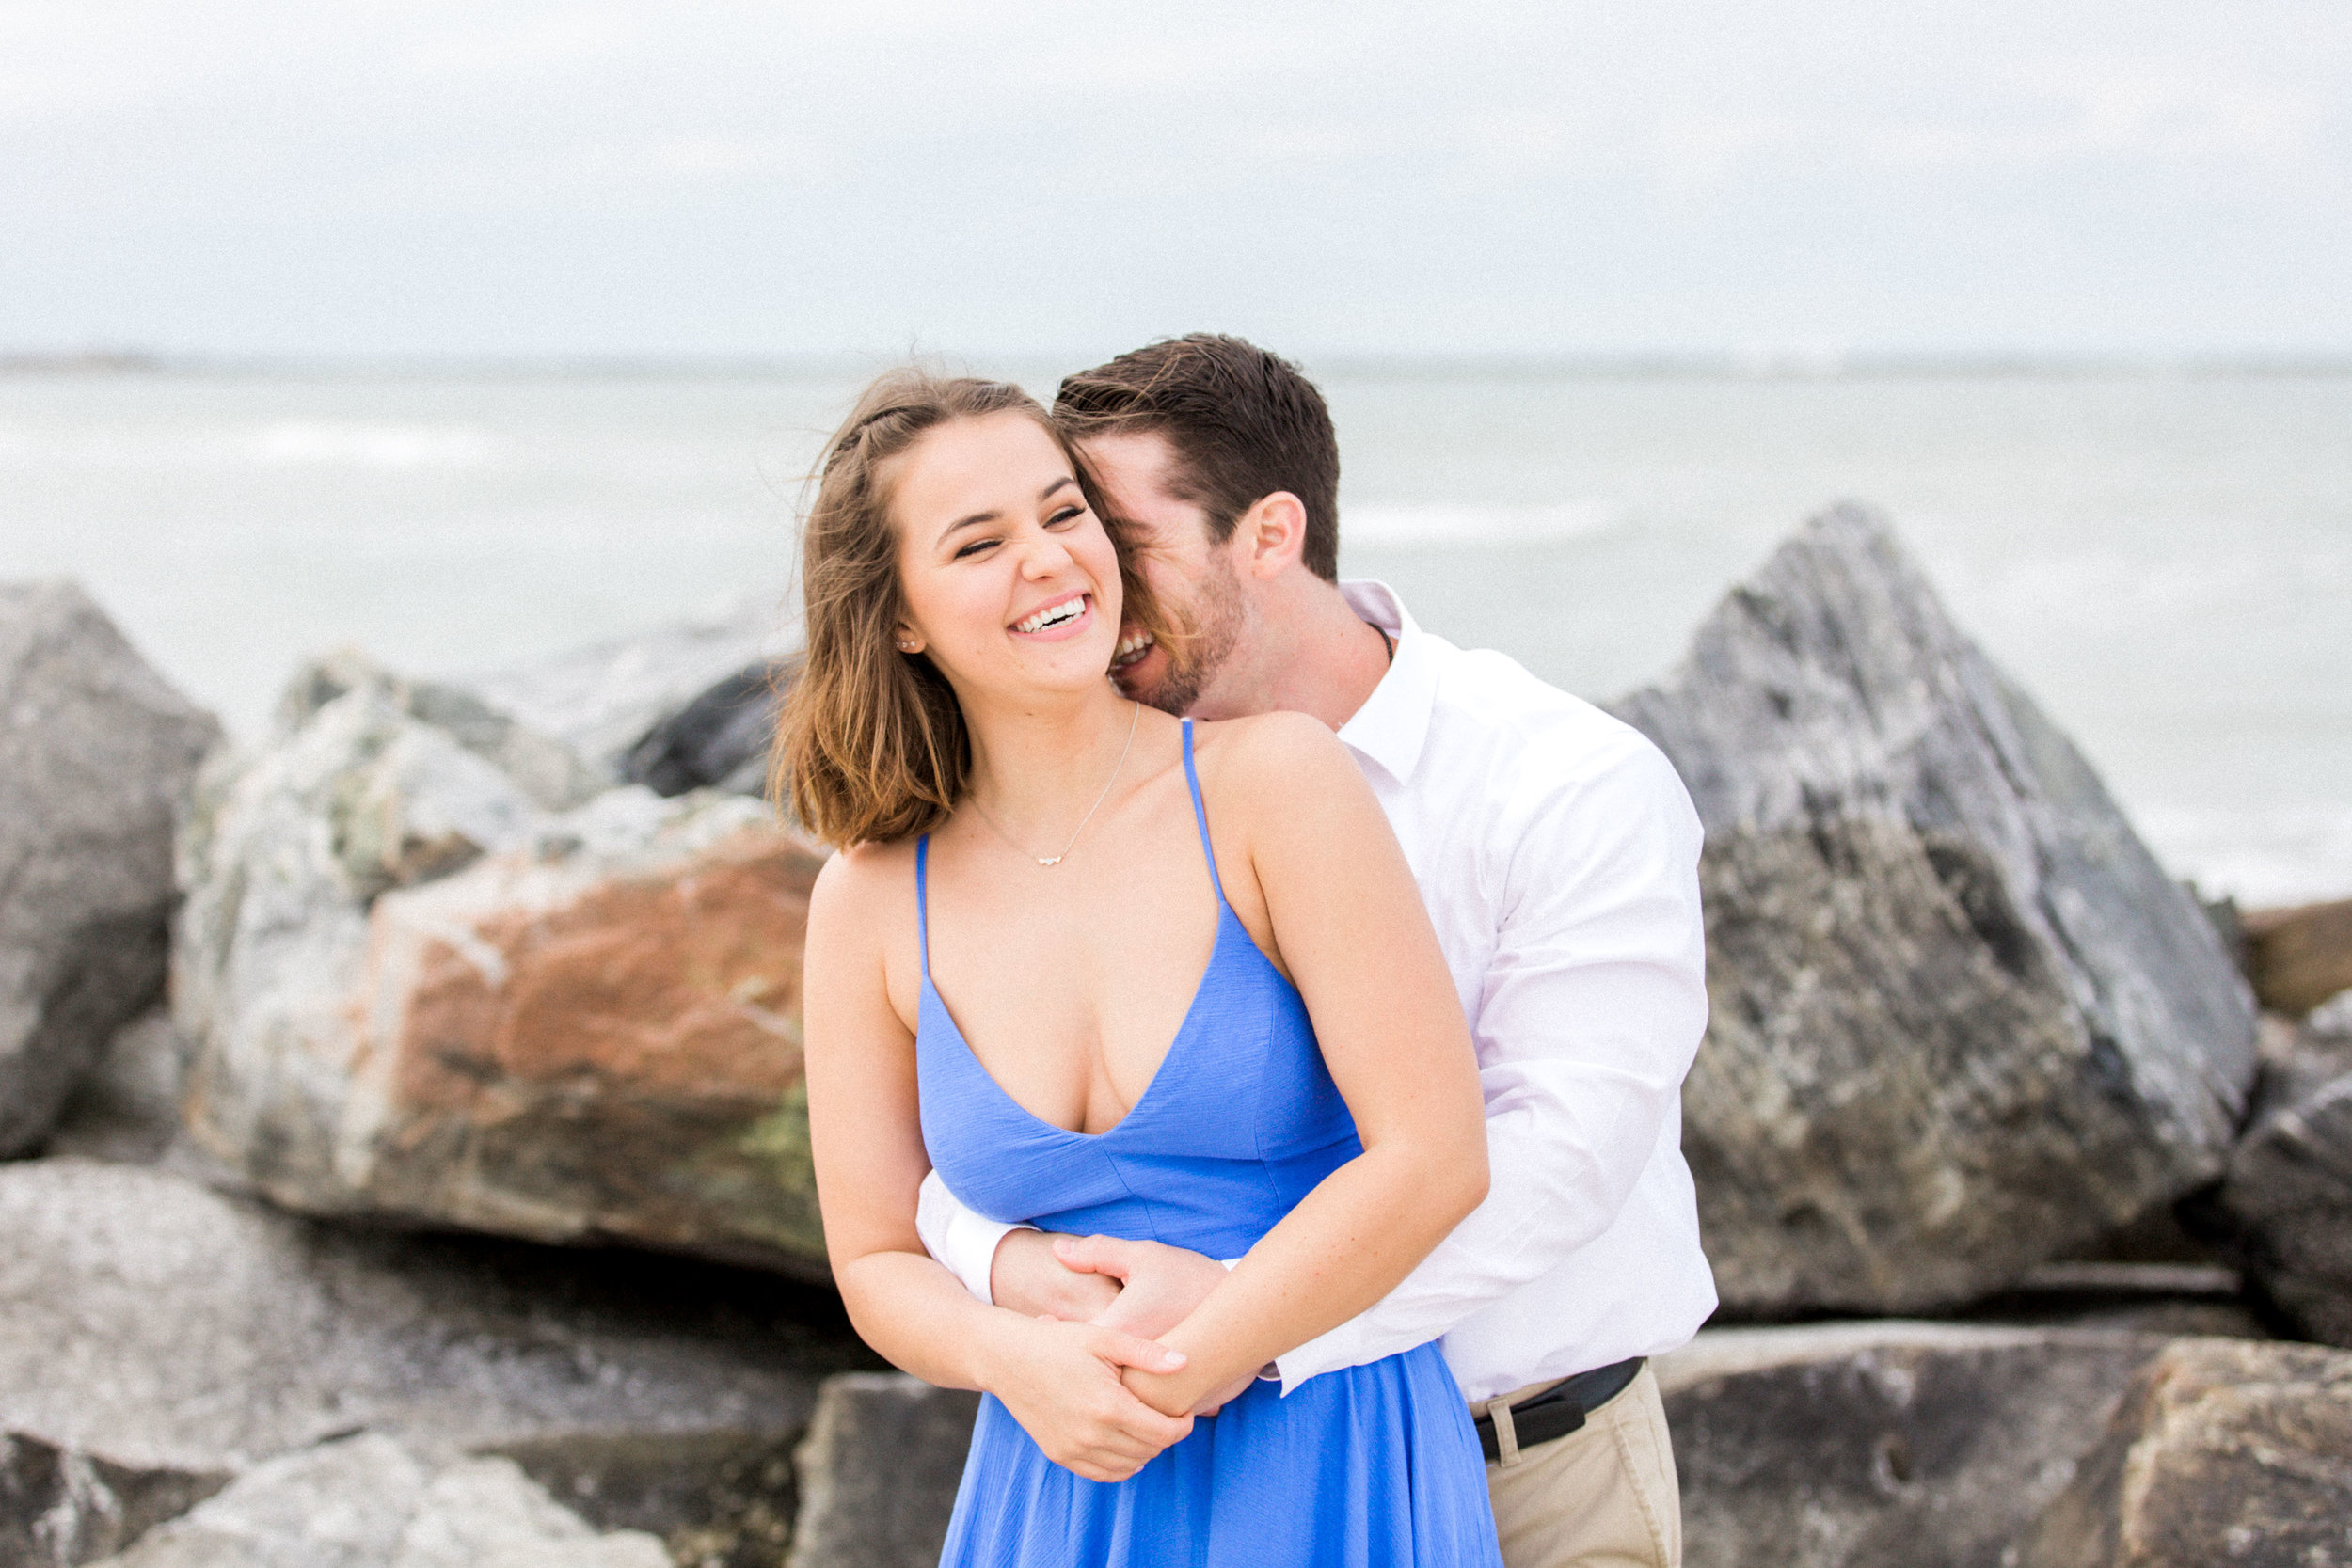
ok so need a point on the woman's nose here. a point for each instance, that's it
(1043, 555)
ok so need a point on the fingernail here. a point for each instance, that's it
(1172, 1361)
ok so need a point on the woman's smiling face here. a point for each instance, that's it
(1009, 581)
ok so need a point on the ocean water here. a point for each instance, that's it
(2165, 561)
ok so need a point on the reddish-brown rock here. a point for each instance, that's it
(2299, 958)
(589, 1032)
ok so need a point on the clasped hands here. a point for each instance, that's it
(1092, 1384)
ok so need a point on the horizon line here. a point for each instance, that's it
(1791, 364)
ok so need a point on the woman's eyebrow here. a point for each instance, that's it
(977, 518)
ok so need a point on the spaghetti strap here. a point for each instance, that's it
(923, 900)
(1199, 815)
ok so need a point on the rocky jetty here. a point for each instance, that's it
(95, 751)
(417, 990)
(1962, 1021)
(461, 970)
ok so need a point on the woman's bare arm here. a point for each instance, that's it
(1350, 928)
(1060, 1380)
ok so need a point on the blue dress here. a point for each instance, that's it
(1364, 1467)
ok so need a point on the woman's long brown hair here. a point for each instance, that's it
(871, 742)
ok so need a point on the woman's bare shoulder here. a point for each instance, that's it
(1270, 749)
(861, 881)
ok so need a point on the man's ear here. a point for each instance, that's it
(1270, 535)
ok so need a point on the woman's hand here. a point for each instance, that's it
(1061, 1382)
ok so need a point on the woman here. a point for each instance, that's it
(1036, 967)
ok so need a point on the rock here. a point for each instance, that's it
(2224, 1451)
(61, 1506)
(717, 1501)
(128, 1107)
(1962, 1022)
(176, 1331)
(2289, 1190)
(366, 1502)
(544, 768)
(602, 701)
(879, 1470)
(590, 1035)
(95, 751)
(718, 740)
(1906, 1445)
(2302, 957)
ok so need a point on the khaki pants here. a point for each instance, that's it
(1603, 1496)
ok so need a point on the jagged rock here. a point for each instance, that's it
(879, 1470)
(718, 740)
(1961, 1021)
(95, 751)
(2302, 957)
(366, 1502)
(174, 1330)
(1882, 1445)
(602, 701)
(544, 768)
(2224, 1451)
(590, 1035)
(2290, 1185)
(62, 1507)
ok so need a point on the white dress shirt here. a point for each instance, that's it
(1558, 854)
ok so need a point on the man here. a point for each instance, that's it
(1558, 855)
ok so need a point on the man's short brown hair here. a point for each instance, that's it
(1243, 424)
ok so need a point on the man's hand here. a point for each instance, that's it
(1027, 1277)
(1160, 1287)
(1061, 1382)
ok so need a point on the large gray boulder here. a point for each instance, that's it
(158, 1327)
(366, 1502)
(95, 751)
(879, 1471)
(2289, 1190)
(2224, 1451)
(1883, 1444)
(412, 992)
(1962, 1021)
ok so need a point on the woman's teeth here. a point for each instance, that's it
(1131, 647)
(1054, 615)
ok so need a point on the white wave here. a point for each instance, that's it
(1403, 526)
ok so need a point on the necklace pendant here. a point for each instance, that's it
(1043, 860)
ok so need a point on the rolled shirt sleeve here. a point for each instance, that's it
(965, 1242)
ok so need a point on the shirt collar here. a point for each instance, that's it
(1394, 722)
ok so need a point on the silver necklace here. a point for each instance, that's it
(1051, 861)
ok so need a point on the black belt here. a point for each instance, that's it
(1561, 1408)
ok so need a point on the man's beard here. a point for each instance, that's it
(1213, 630)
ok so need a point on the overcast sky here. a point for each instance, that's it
(487, 178)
